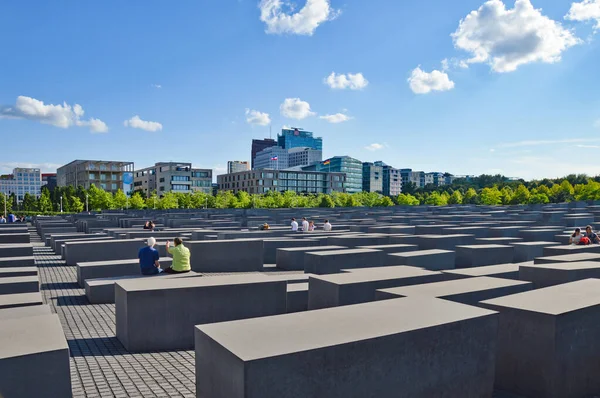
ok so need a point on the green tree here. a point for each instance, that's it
(456, 198)
(385, 201)
(5, 200)
(490, 196)
(169, 201)
(136, 201)
(435, 199)
(507, 195)
(152, 201)
(405, 199)
(326, 201)
(76, 205)
(538, 198)
(120, 200)
(521, 195)
(471, 197)
(28, 202)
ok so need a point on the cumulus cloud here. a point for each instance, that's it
(63, 116)
(587, 10)
(353, 81)
(295, 108)
(258, 118)
(374, 147)
(137, 123)
(422, 82)
(337, 118)
(156, 85)
(279, 16)
(509, 38)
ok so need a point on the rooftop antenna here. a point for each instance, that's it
(270, 132)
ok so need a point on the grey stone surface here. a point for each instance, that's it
(103, 250)
(8, 272)
(359, 287)
(270, 247)
(31, 346)
(476, 231)
(110, 269)
(505, 232)
(170, 308)
(292, 258)
(548, 341)
(297, 297)
(353, 241)
(544, 275)
(480, 255)
(539, 234)
(528, 251)
(506, 271)
(466, 290)
(16, 250)
(26, 261)
(332, 261)
(566, 258)
(570, 249)
(444, 242)
(351, 351)
(240, 255)
(23, 312)
(395, 248)
(59, 242)
(19, 284)
(14, 238)
(20, 300)
(434, 260)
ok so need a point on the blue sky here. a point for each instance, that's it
(513, 88)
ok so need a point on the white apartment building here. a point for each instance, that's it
(22, 181)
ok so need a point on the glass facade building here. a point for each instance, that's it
(22, 181)
(259, 145)
(353, 169)
(171, 176)
(372, 178)
(294, 138)
(392, 179)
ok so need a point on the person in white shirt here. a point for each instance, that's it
(294, 225)
(304, 225)
(576, 237)
(327, 226)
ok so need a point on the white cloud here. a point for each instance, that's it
(445, 64)
(353, 81)
(507, 39)
(258, 118)
(336, 118)
(137, 123)
(586, 10)
(156, 85)
(374, 147)
(63, 116)
(8, 167)
(546, 142)
(295, 108)
(422, 82)
(588, 146)
(280, 18)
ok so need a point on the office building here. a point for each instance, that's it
(275, 158)
(259, 145)
(351, 167)
(234, 166)
(414, 177)
(435, 178)
(105, 174)
(22, 181)
(392, 180)
(372, 178)
(298, 138)
(172, 177)
(262, 181)
(304, 156)
(49, 181)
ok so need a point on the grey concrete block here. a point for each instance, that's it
(23, 312)
(477, 232)
(292, 259)
(433, 229)
(27, 261)
(548, 341)
(34, 358)
(534, 234)
(566, 258)
(297, 297)
(332, 261)
(19, 284)
(111, 269)
(16, 250)
(401, 348)
(434, 260)
(9, 272)
(240, 255)
(395, 248)
(528, 251)
(505, 232)
(115, 249)
(59, 242)
(497, 241)
(480, 255)
(444, 242)
(359, 287)
(270, 247)
(544, 275)
(506, 271)
(171, 308)
(570, 249)
(468, 291)
(14, 238)
(353, 241)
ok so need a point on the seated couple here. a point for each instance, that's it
(577, 238)
(149, 264)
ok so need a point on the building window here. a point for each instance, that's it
(161, 180)
(114, 187)
(161, 189)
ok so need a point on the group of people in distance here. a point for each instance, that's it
(11, 218)
(308, 226)
(577, 238)
(149, 258)
(149, 225)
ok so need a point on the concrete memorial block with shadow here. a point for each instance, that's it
(477, 232)
(19, 284)
(297, 297)
(528, 251)
(433, 229)
(570, 249)
(16, 250)
(496, 241)
(114, 268)
(395, 248)
(271, 246)
(23, 312)
(14, 238)
(444, 242)
(332, 261)
(292, 258)
(353, 241)
(58, 243)
(20, 300)
(505, 232)
(115, 249)
(506, 271)
(239, 255)
(393, 229)
(404, 348)
(548, 342)
(539, 234)
(359, 287)
(544, 275)
(567, 258)
(8, 272)
(479, 255)
(171, 308)
(468, 291)
(434, 260)
(34, 358)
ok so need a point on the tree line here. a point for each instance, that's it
(499, 191)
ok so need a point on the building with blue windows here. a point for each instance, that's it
(20, 182)
(296, 137)
(353, 168)
(392, 179)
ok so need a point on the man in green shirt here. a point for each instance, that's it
(181, 257)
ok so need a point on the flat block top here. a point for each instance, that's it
(484, 247)
(417, 253)
(466, 227)
(346, 252)
(450, 236)
(535, 243)
(9, 270)
(507, 228)
(117, 262)
(297, 287)
(533, 230)
(21, 279)
(21, 298)
(24, 258)
(554, 300)
(488, 269)
(377, 269)
(14, 245)
(567, 266)
(453, 287)
(106, 242)
(31, 335)
(572, 257)
(265, 337)
(397, 272)
(150, 284)
(310, 248)
(114, 279)
(393, 246)
(22, 312)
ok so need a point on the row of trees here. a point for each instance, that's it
(94, 199)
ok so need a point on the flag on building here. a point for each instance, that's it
(328, 161)
(274, 158)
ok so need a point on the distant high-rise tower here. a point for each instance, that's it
(259, 145)
(296, 137)
(234, 166)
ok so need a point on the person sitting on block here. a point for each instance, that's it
(181, 257)
(149, 256)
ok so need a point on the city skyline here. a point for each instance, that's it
(417, 86)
